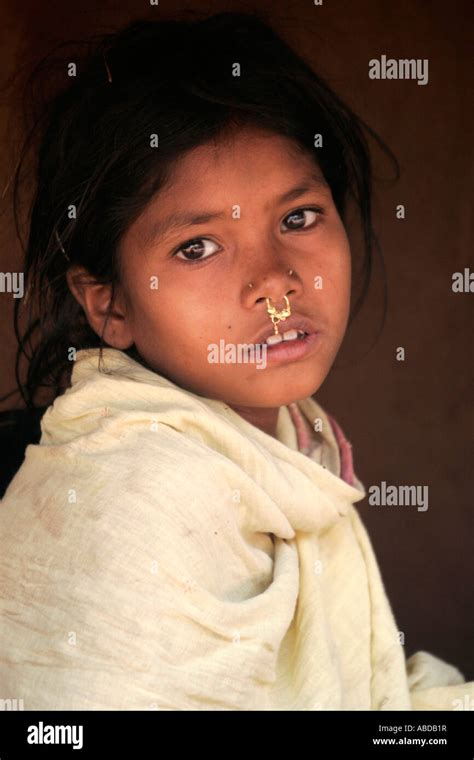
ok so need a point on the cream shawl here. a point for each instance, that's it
(160, 552)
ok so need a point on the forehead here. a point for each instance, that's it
(234, 159)
(246, 167)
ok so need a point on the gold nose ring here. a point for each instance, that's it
(278, 316)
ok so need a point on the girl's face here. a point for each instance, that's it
(185, 287)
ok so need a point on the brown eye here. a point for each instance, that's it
(194, 248)
(297, 218)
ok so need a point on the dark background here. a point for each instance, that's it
(410, 422)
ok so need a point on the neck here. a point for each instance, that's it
(263, 418)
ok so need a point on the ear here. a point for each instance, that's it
(95, 298)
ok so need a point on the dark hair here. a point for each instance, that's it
(173, 78)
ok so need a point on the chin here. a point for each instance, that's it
(286, 395)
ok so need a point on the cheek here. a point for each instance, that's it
(335, 263)
(174, 319)
(335, 260)
(342, 259)
(149, 307)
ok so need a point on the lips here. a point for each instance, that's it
(295, 322)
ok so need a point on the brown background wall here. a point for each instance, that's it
(410, 422)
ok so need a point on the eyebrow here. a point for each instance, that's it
(181, 219)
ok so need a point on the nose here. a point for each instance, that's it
(273, 287)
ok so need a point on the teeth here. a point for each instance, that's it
(288, 335)
(274, 339)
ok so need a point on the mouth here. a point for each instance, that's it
(289, 330)
(297, 338)
(286, 337)
(292, 350)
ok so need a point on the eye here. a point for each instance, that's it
(297, 214)
(194, 248)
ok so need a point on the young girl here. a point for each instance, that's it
(184, 536)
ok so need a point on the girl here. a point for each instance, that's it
(184, 536)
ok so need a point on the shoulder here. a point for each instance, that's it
(122, 500)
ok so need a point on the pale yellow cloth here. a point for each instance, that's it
(160, 552)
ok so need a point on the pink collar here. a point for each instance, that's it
(306, 441)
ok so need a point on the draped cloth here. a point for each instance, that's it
(158, 551)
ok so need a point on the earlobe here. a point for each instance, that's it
(108, 322)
